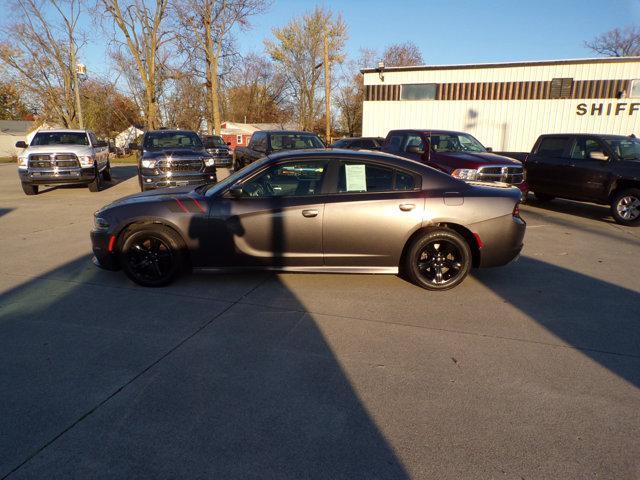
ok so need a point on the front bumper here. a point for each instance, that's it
(223, 161)
(105, 257)
(57, 176)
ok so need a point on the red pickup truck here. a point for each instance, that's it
(458, 154)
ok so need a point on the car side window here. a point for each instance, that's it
(393, 145)
(413, 142)
(584, 146)
(355, 177)
(288, 179)
(92, 137)
(259, 142)
(552, 146)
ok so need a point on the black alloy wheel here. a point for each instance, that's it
(438, 260)
(151, 256)
(625, 207)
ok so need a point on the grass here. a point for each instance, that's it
(129, 159)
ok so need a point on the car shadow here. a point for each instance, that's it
(580, 209)
(4, 211)
(119, 174)
(101, 375)
(594, 316)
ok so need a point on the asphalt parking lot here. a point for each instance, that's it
(523, 372)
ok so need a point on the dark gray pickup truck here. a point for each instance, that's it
(264, 142)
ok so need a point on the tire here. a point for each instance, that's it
(29, 189)
(438, 260)
(543, 197)
(625, 207)
(96, 185)
(106, 174)
(152, 255)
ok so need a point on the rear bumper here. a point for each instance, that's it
(50, 177)
(502, 238)
(102, 256)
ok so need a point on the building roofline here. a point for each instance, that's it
(532, 63)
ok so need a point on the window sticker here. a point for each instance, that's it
(356, 178)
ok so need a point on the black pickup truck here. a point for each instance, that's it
(602, 169)
(264, 142)
(173, 158)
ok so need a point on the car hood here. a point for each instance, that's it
(477, 159)
(153, 196)
(77, 149)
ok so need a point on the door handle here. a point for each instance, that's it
(406, 207)
(309, 213)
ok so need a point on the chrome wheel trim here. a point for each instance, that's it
(628, 207)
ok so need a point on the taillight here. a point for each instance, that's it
(516, 210)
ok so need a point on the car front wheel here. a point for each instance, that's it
(152, 255)
(96, 184)
(438, 260)
(29, 189)
(625, 207)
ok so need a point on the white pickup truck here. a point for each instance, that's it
(57, 157)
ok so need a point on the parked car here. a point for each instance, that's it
(316, 211)
(173, 158)
(602, 169)
(458, 154)
(265, 142)
(219, 150)
(357, 143)
(56, 157)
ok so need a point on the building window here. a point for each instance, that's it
(423, 91)
(561, 87)
(635, 89)
(239, 139)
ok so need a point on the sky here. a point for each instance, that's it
(447, 32)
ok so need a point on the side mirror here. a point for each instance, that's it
(489, 149)
(133, 146)
(21, 144)
(598, 155)
(415, 149)
(236, 191)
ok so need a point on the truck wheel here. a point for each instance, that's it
(96, 185)
(106, 174)
(543, 197)
(438, 260)
(625, 207)
(152, 255)
(29, 188)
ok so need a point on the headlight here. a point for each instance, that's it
(209, 162)
(465, 173)
(86, 161)
(148, 163)
(101, 224)
(23, 161)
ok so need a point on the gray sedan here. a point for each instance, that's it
(316, 211)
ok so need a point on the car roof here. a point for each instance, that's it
(62, 130)
(286, 132)
(426, 130)
(168, 130)
(601, 135)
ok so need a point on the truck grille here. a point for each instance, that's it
(513, 174)
(59, 160)
(189, 165)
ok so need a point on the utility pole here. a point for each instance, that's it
(78, 69)
(327, 88)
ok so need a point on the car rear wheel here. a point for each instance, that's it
(152, 255)
(29, 189)
(625, 207)
(543, 197)
(438, 260)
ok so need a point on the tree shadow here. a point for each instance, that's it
(4, 211)
(596, 317)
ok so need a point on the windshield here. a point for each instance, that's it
(214, 188)
(60, 138)
(294, 141)
(158, 140)
(215, 141)
(625, 148)
(455, 142)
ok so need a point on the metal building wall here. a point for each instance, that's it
(507, 125)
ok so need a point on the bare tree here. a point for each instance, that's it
(402, 55)
(41, 51)
(619, 42)
(350, 94)
(210, 23)
(142, 34)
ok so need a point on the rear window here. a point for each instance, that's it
(294, 141)
(552, 146)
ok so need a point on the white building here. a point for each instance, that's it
(506, 105)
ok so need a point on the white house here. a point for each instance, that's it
(127, 136)
(506, 105)
(12, 131)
